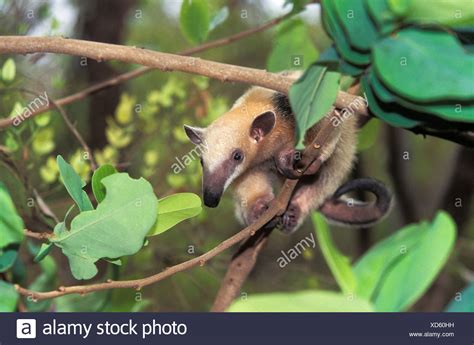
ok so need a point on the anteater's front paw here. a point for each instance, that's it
(257, 209)
(285, 162)
(290, 220)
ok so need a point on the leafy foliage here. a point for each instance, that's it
(73, 183)
(338, 263)
(174, 209)
(195, 20)
(311, 97)
(406, 64)
(116, 228)
(395, 272)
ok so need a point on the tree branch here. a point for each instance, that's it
(38, 235)
(162, 61)
(143, 70)
(239, 268)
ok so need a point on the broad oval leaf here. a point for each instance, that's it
(338, 263)
(97, 187)
(117, 227)
(195, 20)
(11, 225)
(8, 70)
(398, 270)
(311, 97)
(174, 209)
(413, 63)
(74, 184)
(451, 111)
(355, 21)
(301, 301)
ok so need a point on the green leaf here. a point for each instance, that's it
(301, 301)
(338, 263)
(311, 97)
(413, 62)
(9, 298)
(219, 18)
(8, 70)
(73, 183)
(292, 47)
(11, 225)
(383, 111)
(356, 23)
(174, 209)
(97, 187)
(194, 20)
(397, 271)
(463, 302)
(43, 251)
(367, 136)
(43, 142)
(381, 14)
(8, 256)
(116, 228)
(451, 111)
(452, 13)
(334, 29)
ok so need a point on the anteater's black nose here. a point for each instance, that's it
(211, 199)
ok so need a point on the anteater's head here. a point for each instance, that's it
(233, 143)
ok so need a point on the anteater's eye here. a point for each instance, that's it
(237, 155)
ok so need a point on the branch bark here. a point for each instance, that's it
(162, 61)
(239, 269)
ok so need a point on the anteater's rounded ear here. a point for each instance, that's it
(262, 125)
(195, 134)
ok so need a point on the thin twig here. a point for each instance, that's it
(38, 235)
(76, 133)
(69, 124)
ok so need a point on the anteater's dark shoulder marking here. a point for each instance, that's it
(282, 106)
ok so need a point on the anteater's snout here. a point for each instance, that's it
(211, 198)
